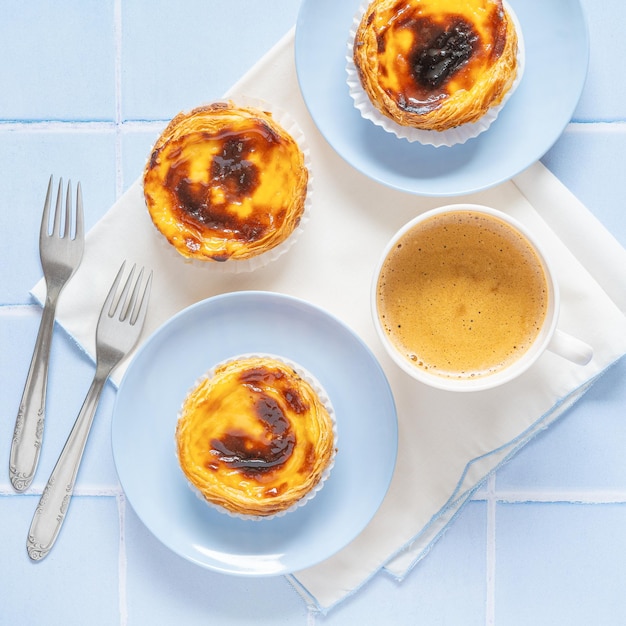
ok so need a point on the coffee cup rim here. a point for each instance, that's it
(525, 361)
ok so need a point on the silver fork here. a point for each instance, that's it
(61, 255)
(116, 334)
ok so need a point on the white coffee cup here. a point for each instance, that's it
(548, 337)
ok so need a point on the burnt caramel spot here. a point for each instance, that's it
(237, 450)
(206, 202)
(381, 44)
(259, 376)
(443, 50)
(425, 58)
(295, 401)
(238, 175)
(499, 25)
(308, 462)
(154, 158)
(255, 377)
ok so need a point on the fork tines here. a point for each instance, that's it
(65, 229)
(129, 305)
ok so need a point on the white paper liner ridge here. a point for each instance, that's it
(598, 314)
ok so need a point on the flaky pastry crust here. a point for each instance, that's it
(436, 64)
(254, 438)
(225, 182)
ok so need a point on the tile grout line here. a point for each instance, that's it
(490, 552)
(593, 496)
(62, 126)
(122, 557)
(119, 186)
(20, 310)
(510, 497)
(56, 125)
(117, 18)
(79, 492)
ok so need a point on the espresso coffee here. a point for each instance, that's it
(462, 294)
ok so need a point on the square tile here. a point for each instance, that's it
(447, 587)
(560, 564)
(604, 95)
(173, 58)
(54, 51)
(31, 157)
(78, 582)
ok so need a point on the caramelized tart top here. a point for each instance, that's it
(225, 182)
(417, 57)
(254, 437)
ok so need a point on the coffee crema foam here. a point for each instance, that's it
(462, 295)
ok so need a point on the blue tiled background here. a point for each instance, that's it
(85, 87)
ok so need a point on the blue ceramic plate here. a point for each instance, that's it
(557, 52)
(181, 351)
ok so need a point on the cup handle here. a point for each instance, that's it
(570, 348)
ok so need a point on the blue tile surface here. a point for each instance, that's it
(560, 564)
(31, 156)
(78, 583)
(447, 587)
(85, 87)
(136, 146)
(582, 455)
(59, 60)
(175, 60)
(604, 97)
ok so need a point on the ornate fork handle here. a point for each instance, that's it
(55, 499)
(119, 326)
(28, 433)
(61, 254)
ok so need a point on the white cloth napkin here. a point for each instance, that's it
(448, 443)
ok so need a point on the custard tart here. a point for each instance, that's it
(256, 436)
(436, 64)
(225, 182)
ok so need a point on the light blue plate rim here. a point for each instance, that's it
(557, 56)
